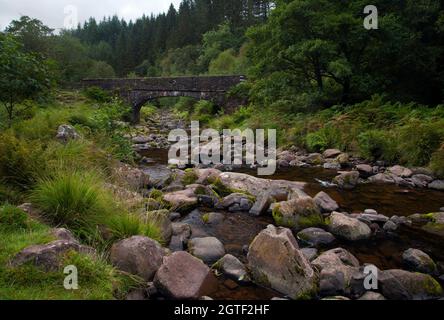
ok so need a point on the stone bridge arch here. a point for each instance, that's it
(139, 91)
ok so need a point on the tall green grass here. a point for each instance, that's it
(75, 200)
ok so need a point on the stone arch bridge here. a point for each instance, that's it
(139, 91)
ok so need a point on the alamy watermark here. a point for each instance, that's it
(71, 281)
(232, 147)
(371, 21)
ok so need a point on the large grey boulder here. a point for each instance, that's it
(137, 255)
(254, 185)
(419, 261)
(325, 202)
(208, 249)
(276, 262)
(183, 277)
(298, 213)
(348, 228)
(405, 285)
(49, 256)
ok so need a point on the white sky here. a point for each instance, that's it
(52, 12)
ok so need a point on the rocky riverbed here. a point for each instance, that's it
(307, 232)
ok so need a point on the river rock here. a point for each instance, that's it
(347, 180)
(205, 176)
(232, 267)
(333, 165)
(370, 295)
(263, 201)
(66, 133)
(390, 226)
(236, 202)
(183, 277)
(340, 280)
(310, 253)
(181, 234)
(437, 185)
(405, 285)
(255, 186)
(373, 218)
(298, 213)
(276, 262)
(400, 171)
(316, 237)
(340, 273)
(343, 159)
(331, 153)
(314, 159)
(421, 180)
(183, 200)
(137, 255)
(63, 234)
(336, 298)
(382, 178)
(208, 249)
(364, 170)
(134, 178)
(49, 256)
(419, 261)
(335, 257)
(348, 228)
(325, 202)
(141, 139)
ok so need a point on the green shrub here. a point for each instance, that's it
(437, 163)
(97, 94)
(418, 141)
(74, 200)
(378, 145)
(148, 111)
(20, 161)
(317, 141)
(10, 194)
(204, 107)
(13, 218)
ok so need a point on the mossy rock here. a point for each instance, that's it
(298, 214)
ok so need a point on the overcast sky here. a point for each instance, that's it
(52, 12)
